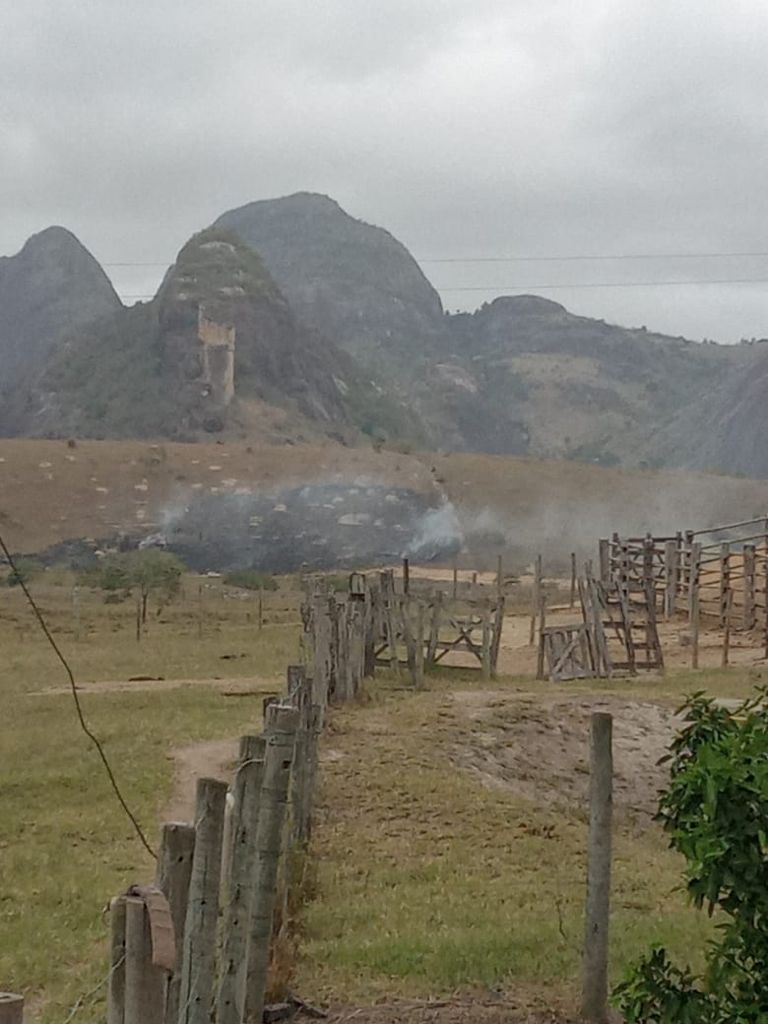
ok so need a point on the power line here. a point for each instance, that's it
(568, 258)
(579, 258)
(598, 284)
(76, 697)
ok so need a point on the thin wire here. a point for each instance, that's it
(89, 995)
(75, 696)
(600, 284)
(570, 258)
(583, 258)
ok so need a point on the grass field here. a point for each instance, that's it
(432, 878)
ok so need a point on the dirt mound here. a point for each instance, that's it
(539, 749)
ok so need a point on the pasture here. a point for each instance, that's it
(449, 849)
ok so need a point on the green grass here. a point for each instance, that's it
(430, 881)
(66, 847)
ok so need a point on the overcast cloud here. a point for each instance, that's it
(466, 127)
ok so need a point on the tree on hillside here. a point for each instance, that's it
(147, 572)
(715, 811)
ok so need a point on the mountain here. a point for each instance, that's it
(352, 281)
(289, 320)
(215, 350)
(50, 288)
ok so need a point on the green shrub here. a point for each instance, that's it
(715, 810)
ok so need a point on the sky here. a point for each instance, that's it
(473, 130)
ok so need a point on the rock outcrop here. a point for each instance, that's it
(51, 287)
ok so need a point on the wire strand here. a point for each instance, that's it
(76, 697)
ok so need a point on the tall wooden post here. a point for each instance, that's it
(499, 575)
(174, 870)
(694, 576)
(671, 569)
(572, 595)
(144, 983)
(280, 731)
(486, 641)
(535, 599)
(116, 984)
(725, 580)
(594, 1002)
(455, 579)
(604, 555)
(199, 948)
(542, 627)
(406, 576)
(749, 556)
(230, 998)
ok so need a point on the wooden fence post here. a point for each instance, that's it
(750, 562)
(535, 599)
(604, 559)
(230, 997)
(11, 1008)
(594, 1003)
(144, 983)
(542, 627)
(174, 869)
(498, 625)
(485, 662)
(725, 580)
(670, 578)
(434, 628)
(406, 577)
(116, 984)
(572, 596)
(199, 948)
(280, 732)
(694, 574)
(455, 579)
(727, 630)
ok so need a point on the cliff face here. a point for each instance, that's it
(51, 287)
(217, 342)
(353, 282)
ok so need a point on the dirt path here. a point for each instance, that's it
(236, 685)
(450, 1011)
(214, 759)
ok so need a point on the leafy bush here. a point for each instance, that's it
(26, 568)
(250, 579)
(716, 813)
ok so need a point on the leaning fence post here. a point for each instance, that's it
(116, 984)
(11, 1008)
(174, 868)
(594, 1003)
(144, 983)
(199, 950)
(245, 816)
(280, 732)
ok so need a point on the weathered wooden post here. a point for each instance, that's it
(750, 563)
(542, 627)
(694, 575)
(116, 983)
(406, 577)
(11, 1008)
(594, 1002)
(199, 946)
(230, 997)
(174, 870)
(725, 580)
(499, 575)
(670, 578)
(604, 559)
(498, 625)
(572, 595)
(535, 599)
(434, 628)
(280, 732)
(727, 630)
(688, 543)
(144, 983)
(455, 579)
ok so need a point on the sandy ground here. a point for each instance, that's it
(234, 686)
(538, 748)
